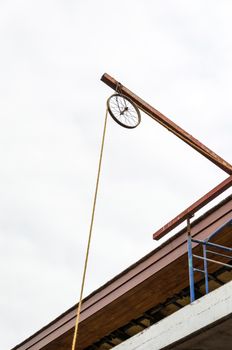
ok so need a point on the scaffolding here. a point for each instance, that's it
(208, 247)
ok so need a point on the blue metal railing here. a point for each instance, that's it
(205, 244)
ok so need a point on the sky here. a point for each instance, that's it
(177, 56)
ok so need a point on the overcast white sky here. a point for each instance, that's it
(174, 54)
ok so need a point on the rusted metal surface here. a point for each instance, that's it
(170, 125)
(200, 203)
(138, 282)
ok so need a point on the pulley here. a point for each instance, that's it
(123, 111)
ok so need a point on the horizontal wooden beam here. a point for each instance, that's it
(168, 124)
(200, 203)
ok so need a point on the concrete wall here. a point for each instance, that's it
(204, 312)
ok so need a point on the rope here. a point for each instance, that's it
(89, 237)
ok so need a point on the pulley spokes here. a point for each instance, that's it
(123, 111)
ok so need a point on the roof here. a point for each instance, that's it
(152, 281)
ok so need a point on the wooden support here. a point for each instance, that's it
(168, 124)
(200, 203)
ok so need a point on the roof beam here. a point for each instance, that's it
(200, 203)
(168, 124)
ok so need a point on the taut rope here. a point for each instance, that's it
(90, 236)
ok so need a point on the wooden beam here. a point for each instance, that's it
(168, 124)
(200, 203)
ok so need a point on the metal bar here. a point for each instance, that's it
(200, 203)
(168, 124)
(212, 245)
(211, 260)
(198, 270)
(216, 253)
(190, 262)
(206, 270)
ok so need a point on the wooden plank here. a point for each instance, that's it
(200, 203)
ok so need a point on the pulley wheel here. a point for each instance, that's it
(123, 111)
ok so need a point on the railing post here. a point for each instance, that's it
(206, 270)
(190, 262)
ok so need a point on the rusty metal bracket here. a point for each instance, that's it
(168, 124)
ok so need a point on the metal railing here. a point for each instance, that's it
(205, 245)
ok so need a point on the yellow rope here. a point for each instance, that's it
(90, 236)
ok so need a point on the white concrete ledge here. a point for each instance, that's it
(192, 318)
